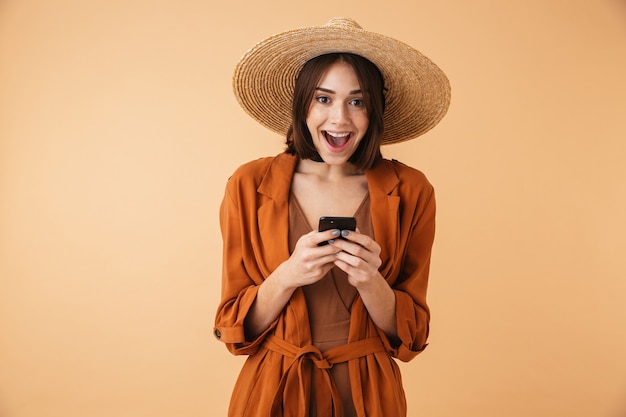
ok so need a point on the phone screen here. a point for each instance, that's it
(333, 222)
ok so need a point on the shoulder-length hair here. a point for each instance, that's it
(299, 141)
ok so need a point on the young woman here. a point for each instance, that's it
(322, 315)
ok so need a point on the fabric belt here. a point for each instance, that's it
(308, 363)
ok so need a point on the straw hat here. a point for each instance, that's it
(417, 96)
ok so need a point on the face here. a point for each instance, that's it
(337, 117)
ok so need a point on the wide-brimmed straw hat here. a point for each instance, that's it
(417, 91)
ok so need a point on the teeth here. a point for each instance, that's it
(337, 135)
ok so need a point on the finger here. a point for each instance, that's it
(362, 240)
(355, 237)
(322, 238)
(356, 255)
(353, 247)
(353, 266)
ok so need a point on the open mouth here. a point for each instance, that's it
(337, 140)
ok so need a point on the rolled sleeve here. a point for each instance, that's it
(413, 327)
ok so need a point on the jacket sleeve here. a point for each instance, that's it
(240, 282)
(412, 312)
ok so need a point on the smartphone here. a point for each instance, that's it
(341, 223)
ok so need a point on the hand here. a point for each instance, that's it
(358, 255)
(309, 262)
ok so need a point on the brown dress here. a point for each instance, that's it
(329, 302)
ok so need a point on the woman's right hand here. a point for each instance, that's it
(309, 261)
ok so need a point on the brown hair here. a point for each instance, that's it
(299, 141)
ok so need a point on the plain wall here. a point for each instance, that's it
(118, 130)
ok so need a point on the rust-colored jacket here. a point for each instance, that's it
(275, 379)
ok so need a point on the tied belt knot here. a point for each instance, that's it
(314, 354)
(293, 395)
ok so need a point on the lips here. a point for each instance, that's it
(337, 140)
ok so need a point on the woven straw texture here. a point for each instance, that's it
(418, 92)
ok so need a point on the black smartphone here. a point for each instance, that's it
(341, 223)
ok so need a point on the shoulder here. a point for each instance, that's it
(244, 181)
(405, 171)
(417, 194)
(405, 175)
(268, 175)
(255, 171)
(252, 169)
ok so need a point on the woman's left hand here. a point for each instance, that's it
(358, 255)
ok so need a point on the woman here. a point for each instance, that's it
(322, 323)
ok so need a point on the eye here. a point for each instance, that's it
(322, 99)
(358, 102)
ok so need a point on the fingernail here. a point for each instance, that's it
(345, 233)
(331, 241)
(336, 232)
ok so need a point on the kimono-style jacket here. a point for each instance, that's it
(276, 378)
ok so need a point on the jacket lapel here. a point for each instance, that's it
(385, 205)
(273, 213)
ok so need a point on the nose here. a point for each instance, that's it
(338, 113)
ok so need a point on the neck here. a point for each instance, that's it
(327, 171)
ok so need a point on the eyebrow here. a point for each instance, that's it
(326, 90)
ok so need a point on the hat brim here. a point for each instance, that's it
(417, 96)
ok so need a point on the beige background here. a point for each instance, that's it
(118, 130)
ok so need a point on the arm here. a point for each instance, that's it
(307, 264)
(271, 298)
(240, 280)
(359, 257)
(251, 303)
(411, 284)
(397, 306)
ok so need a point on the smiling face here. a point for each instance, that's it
(309, 97)
(337, 118)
